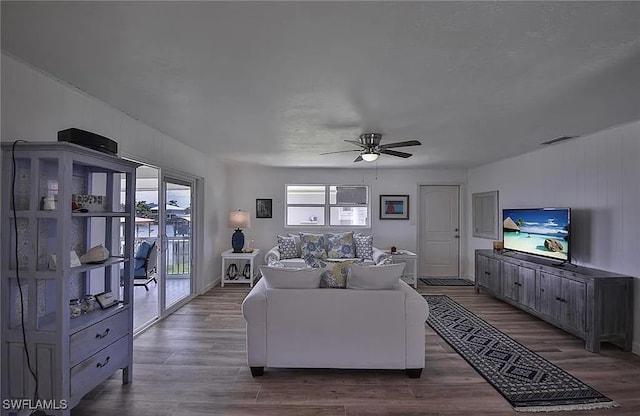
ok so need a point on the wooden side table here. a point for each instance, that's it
(410, 274)
(235, 264)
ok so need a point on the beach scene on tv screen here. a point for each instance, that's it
(540, 232)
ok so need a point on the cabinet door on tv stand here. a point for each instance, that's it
(488, 274)
(510, 281)
(482, 272)
(527, 287)
(573, 297)
(550, 293)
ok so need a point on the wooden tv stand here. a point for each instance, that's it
(592, 304)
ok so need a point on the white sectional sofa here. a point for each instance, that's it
(335, 328)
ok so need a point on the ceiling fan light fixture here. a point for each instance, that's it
(370, 156)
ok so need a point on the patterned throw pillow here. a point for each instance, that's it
(313, 262)
(340, 245)
(336, 273)
(275, 263)
(298, 244)
(364, 246)
(313, 245)
(287, 247)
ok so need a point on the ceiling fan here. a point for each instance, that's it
(370, 147)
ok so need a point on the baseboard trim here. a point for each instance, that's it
(209, 286)
(635, 348)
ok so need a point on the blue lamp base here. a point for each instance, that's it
(237, 241)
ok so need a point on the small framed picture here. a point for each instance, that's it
(264, 208)
(394, 207)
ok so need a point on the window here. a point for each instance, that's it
(327, 205)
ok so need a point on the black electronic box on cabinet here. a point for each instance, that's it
(88, 139)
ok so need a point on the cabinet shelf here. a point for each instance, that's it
(89, 266)
(48, 175)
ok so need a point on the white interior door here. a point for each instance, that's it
(439, 231)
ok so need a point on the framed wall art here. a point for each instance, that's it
(264, 208)
(394, 207)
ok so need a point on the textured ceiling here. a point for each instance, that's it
(277, 83)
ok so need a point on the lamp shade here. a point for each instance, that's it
(239, 219)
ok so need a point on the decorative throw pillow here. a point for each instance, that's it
(364, 246)
(313, 262)
(291, 278)
(313, 245)
(275, 263)
(298, 245)
(287, 247)
(340, 245)
(336, 273)
(375, 277)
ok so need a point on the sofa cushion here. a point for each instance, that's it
(336, 273)
(142, 253)
(287, 247)
(290, 278)
(340, 245)
(375, 277)
(363, 246)
(313, 245)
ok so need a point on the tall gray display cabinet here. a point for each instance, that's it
(59, 198)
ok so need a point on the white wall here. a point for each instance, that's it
(598, 176)
(248, 182)
(35, 107)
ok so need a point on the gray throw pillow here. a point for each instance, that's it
(287, 247)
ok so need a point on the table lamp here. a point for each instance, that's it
(238, 219)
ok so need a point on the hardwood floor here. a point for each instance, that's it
(194, 363)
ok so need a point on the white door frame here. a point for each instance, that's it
(462, 219)
(179, 177)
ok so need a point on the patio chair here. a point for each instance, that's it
(145, 266)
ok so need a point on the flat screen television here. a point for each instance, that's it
(539, 231)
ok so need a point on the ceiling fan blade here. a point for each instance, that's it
(394, 153)
(401, 144)
(342, 151)
(359, 159)
(356, 143)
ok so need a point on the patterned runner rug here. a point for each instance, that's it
(446, 281)
(528, 381)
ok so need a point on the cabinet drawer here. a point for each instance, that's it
(84, 343)
(99, 367)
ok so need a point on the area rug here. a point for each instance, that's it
(437, 281)
(528, 381)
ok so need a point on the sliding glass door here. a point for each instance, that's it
(164, 221)
(176, 241)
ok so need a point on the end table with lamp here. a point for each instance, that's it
(240, 267)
